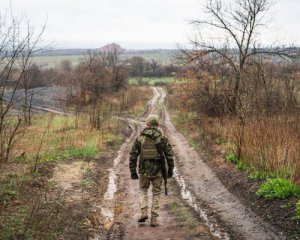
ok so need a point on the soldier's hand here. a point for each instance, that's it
(134, 175)
(170, 172)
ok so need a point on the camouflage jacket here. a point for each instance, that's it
(150, 168)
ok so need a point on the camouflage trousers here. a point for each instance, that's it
(144, 184)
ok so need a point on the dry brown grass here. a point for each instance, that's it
(264, 131)
(64, 139)
(273, 144)
(131, 100)
(270, 144)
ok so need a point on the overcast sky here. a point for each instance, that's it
(135, 23)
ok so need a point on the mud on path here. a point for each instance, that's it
(198, 205)
(177, 220)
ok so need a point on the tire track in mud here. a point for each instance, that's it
(107, 209)
(121, 208)
(198, 205)
(205, 193)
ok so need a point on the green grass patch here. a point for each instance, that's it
(242, 166)
(231, 158)
(77, 152)
(87, 151)
(261, 175)
(278, 188)
(162, 80)
(151, 81)
(287, 205)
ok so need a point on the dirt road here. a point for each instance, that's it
(198, 205)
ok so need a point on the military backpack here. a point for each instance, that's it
(149, 148)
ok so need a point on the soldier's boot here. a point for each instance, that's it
(153, 222)
(144, 215)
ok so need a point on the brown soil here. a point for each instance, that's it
(199, 205)
(82, 185)
(68, 177)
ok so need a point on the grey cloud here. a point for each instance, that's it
(86, 22)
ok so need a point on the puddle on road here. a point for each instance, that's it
(190, 199)
(107, 210)
(108, 214)
(163, 97)
(112, 186)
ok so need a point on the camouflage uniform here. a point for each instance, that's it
(149, 169)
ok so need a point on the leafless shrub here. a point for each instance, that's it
(17, 43)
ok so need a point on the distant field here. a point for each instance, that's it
(152, 81)
(54, 61)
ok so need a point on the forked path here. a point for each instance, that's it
(198, 205)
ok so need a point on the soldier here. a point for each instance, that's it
(148, 147)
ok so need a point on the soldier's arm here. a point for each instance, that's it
(134, 154)
(169, 154)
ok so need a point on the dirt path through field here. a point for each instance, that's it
(198, 205)
(177, 219)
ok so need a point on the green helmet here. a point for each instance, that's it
(152, 120)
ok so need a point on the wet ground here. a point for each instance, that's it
(198, 205)
(177, 219)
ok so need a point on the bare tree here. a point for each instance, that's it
(154, 66)
(239, 23)
(17, 44)
(109, 57)
(65, 66)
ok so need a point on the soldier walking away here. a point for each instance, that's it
(154, 153)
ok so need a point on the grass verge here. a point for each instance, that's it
(31, 206)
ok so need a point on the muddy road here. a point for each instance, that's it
(198, 206)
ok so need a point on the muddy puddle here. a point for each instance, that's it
(191, 200)
(107, 209)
